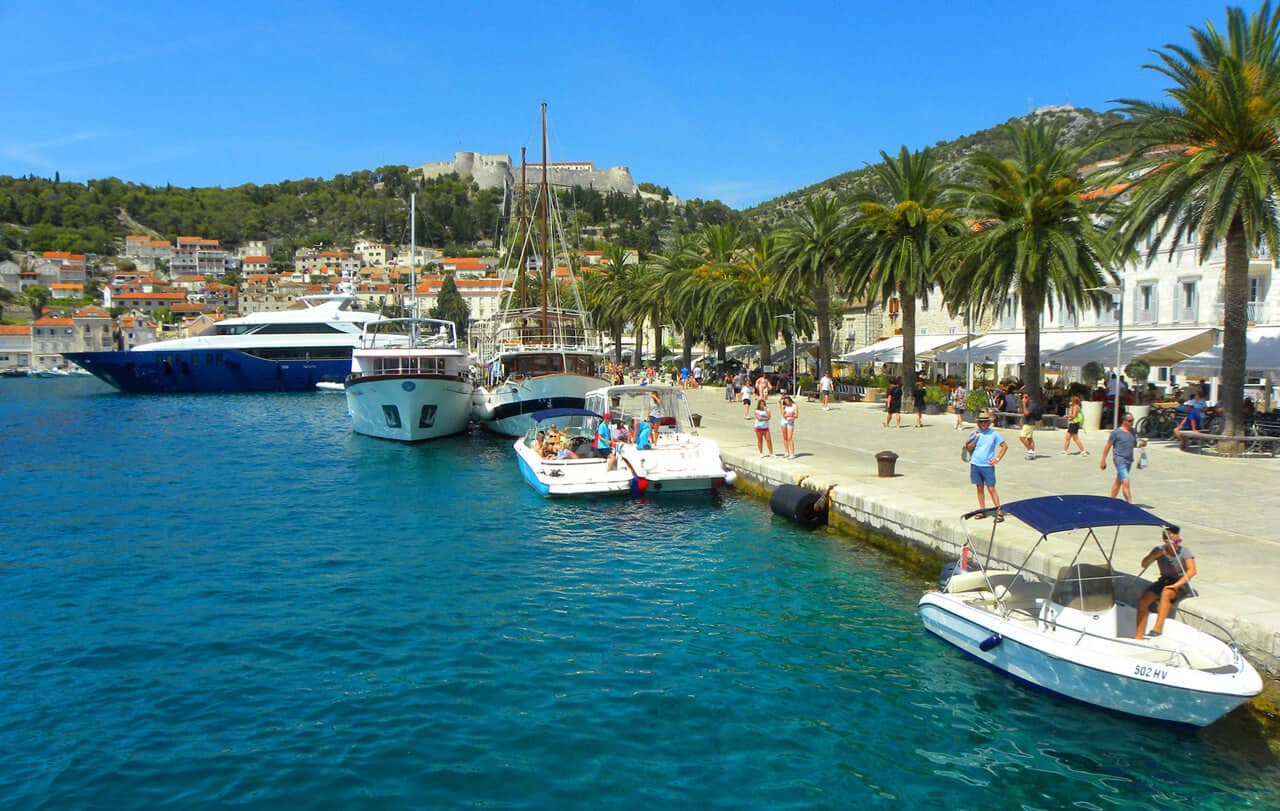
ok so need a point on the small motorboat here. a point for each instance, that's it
(1067, 633)
(679, 460)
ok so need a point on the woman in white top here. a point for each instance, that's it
(762, 428)
(824, 388)
(790, 411)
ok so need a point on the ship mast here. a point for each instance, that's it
(413, 268)
(546, 276)
(524, 229)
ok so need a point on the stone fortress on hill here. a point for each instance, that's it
(497, 172)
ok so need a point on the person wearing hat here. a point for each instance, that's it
(986, 448)
(603, 444)
(1177, 566)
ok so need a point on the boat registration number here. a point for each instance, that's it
(1149, 672)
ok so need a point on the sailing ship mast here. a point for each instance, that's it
(413, 267)
(524, 225)
(546, 278)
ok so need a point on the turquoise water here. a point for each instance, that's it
(215, 600)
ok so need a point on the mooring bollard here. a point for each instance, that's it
(885, 460)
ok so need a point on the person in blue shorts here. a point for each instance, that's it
(986, 448)
(1121, 443)
(1192, 419)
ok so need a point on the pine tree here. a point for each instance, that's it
(451, 307)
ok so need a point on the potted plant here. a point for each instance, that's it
(1092, 409)
(876, 386)
(935, 397)
(975, 403)
(1137, 372)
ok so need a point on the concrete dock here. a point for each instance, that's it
(1228, 508)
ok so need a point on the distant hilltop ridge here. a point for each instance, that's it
(497, 172)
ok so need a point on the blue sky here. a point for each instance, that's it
(736, 101)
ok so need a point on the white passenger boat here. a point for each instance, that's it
(679, 459)
(1068, 634)
(409, 381)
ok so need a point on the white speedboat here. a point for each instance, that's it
(679, 460)
(409, 381)
(1068, 634)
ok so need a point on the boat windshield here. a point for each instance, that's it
(636, 402)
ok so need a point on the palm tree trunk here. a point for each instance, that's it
(908, 342)
(822, 312)
(657, 339)
(1235, 323)
(687, 357)
(617, 345)
(639, 345)
(1031, 307)
(766, 353)
(722, 351)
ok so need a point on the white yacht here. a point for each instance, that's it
(409, 381)
(286, 350)
(1066, 633)
(677, 460)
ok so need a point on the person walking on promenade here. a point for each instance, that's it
(763, 387)
(893, 404)
(746, 399)
(1121, 444)
(790, 411)
(958, 397)
(824, 388)
(1075, 420)
(762, 428)
(1031, 413)
(728, 387)
(1177, 566)
(986, 448)
(917, 402)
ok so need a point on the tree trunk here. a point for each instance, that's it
(617, 345)
(687, 357)
(822, 311)
(722, 351)
(1031, 307)
(1235, 323)
(639, 356)
(657, 340)
(908, 343)
(766, 353)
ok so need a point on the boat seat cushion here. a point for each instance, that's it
(1022, 594)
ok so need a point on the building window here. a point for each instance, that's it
(1188, 300)
(1147, 299)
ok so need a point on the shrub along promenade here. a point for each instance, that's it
(1227, 508)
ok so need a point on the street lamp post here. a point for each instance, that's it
(1117, 297)
(791, 323)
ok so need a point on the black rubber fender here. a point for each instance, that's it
(798, 504)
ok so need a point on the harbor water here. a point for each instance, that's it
(234, 600)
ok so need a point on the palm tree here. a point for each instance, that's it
(894, 244)
(683, 299)
(811, 257)
(606, 295)
(1222, 182)
(1034, 236)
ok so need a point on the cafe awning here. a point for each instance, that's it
(868, 353)
(1010, 347)
(1262, 355)
(1158, 347)
(890, 349)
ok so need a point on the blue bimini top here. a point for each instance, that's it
(1050, 514)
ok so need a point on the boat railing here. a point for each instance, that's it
(409, 333)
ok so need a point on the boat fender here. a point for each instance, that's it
(799, 504)
(990, 642)
(730, 476)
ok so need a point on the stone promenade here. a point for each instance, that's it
(1228, 509)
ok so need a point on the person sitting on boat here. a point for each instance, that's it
(620, 434)
(1177, 566)
(553, 432)
(603, 444)
(563, 452)
(539, 442)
